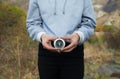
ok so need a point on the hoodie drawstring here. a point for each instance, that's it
(55, 7)
(64, 6)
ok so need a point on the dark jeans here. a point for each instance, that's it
(53, 65)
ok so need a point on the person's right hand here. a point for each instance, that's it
(46, 42)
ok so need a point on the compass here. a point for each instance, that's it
(59, 43)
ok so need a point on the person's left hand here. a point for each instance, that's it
(74, 39)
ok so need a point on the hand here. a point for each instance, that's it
(46, 42)
(74, 39)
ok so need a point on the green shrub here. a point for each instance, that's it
(104, 28)
(10, 15)
(93, 39)
(16, 48)
(2, 1)
(107, 28)
(99, 28)
(113, 39)
(98, 40)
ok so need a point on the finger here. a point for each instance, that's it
(69, 50)
(58, 51)
(49, 47)
(68, 47)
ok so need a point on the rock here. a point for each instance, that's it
(109, 71)
(115, 74)
(111, 6)
(114, 78)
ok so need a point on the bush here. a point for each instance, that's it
(104, 28)
(97, 38)
(99, 28)
(16, 49)
(2, 1)
(113, 39)
(10, 15)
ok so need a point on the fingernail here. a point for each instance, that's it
(62, 49)
(59, 51)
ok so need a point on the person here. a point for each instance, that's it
(71, 20)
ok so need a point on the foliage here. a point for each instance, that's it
(16, 48)
(2, 1)
(113, 39)
(94, 58)
(104, 28)
(106, 34)
(119, 14)
(18, 53)
(10, 15)
(97, 39)
(99, 28)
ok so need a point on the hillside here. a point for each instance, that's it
(18, 53)
(106, 10)
(21, 3)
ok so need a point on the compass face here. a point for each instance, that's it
(59, 43)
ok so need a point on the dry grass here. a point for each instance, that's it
(96, 56)
(18, 53)
(20, 63)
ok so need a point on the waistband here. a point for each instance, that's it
(77, 52)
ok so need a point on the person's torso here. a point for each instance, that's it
(60, 17)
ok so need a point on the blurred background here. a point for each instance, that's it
(18, 53)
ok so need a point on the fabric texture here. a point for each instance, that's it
(53, 65)
(61, 18)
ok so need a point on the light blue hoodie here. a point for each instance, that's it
(61, 18)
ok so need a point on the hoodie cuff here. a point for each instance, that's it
(39, 36)
(81, 35)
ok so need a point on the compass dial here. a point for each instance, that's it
(59, 43)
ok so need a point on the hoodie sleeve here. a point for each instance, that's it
(34, 21)
(88, 23)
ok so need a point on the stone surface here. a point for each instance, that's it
(109, 71)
